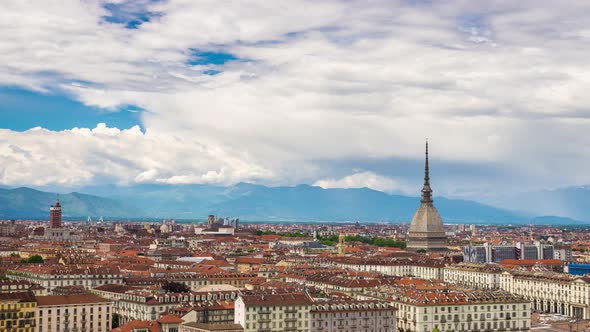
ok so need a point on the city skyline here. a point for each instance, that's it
(335, 94)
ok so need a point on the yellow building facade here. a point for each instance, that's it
(18, 312)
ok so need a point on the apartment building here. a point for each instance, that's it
(84, 313)
(352, 316)
(473, 275)
(133, 304)
(273, 312)
(550, 291)
(422, 310)
(18, 311)
(420, 267)
(50, 277)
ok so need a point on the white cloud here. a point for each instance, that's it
(364, 180)
(328, 80)
(83, 156)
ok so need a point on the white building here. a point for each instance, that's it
(85, 313)
(273, 312)
(451, 309)
(352, 316)
(550, 291)
(50, 277)
(473, 275)
(132, 304)
(420, 267)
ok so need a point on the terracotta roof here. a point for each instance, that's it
(250, 260)
(150, 325)
(18, 296)
(170, 319)
(277, 299)
(531, 262)
(70, 299)
(216, 327)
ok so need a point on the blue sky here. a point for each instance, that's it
(22, 109)
(333, 93)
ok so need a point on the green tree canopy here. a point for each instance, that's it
(35, 259)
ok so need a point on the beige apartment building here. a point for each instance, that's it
(473, 275)
(83, 313)
(551, 291)
(352, 316)
(470, 310)
(273, 312)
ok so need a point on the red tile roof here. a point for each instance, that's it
(170, 319)
(150, 325)
(70, 299)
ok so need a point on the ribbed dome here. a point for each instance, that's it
(426, 220)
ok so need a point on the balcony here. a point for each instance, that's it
(264, 312)
(290, 311)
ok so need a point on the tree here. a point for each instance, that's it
(436, 329)
(35, 259)
(175, 287)
(115, 322)
(421, 251)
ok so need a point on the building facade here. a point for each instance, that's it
(51, 277)
(352, 316)
(462, 311)
(473, 275)
(550, 292)
(18, 311)
(274, 312)
(83, 313)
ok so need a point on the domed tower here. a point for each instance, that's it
(426, 230)
(55, 215)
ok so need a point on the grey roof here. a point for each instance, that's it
(426, 220)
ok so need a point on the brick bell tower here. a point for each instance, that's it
(55, 215)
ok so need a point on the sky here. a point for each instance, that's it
(331, 93)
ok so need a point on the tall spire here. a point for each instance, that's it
(426, 190)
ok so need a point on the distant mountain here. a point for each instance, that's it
(30, 203)
(571, 202)
(555, 220)
(251, 202)
(303, 202)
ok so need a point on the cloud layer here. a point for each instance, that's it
(365, 180)
(312, 84)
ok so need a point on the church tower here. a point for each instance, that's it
(426, 230)
(55, 215)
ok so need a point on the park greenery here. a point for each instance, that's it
(35, 259)
(375, 241)
(331, 240)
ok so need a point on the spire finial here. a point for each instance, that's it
(426, 190)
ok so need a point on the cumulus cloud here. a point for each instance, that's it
(86, 156)
(364, 180)
(500, 82)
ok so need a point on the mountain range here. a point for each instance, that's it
(21, 203)
(572, 202)
(250, 202)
